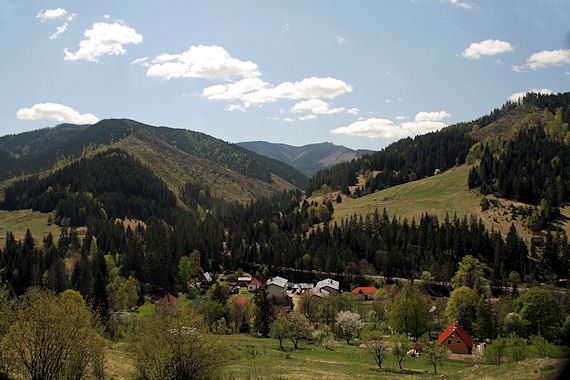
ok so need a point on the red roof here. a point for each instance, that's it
(255, 281)
(168, 300)
(365, 290)
(241, 301)
(455, 328)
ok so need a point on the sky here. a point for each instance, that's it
(356, 73)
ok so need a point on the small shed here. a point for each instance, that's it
(456, 339)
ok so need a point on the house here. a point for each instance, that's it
(253, 285)
(277, 288)
(367, 292)
(456, 339)
(207, 280)
(331, 286)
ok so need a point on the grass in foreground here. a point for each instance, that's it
(20, 220)
(261, 358)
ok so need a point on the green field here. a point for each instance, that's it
(436, 195)
(20, 221)
(260, 358)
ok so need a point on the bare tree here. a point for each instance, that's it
(378, 348)
(400, 347)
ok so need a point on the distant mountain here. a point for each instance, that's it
(308, 159)
(178, 157)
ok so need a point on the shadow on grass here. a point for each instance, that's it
(398, 371)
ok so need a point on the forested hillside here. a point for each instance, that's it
(405, 160)
(44, 149)
(109, 184)
(308, 159)
(532, 167)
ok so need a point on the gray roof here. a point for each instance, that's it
(319, 292)
(279, 281)
(328, 283)
(207, 276)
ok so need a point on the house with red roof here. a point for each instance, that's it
(365, 291)
(456, 339)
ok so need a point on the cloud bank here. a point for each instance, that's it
(424, 122)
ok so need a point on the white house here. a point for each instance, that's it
(277, 287)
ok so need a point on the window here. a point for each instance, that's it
(458, 341)
(449, 341)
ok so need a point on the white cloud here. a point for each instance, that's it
(458, 3)
(340, 39)
(431, 116)
(141, 61)
(235, 90)
(316, 106)
(62, 28)
(545, 58)
(106, 17)
(254, 91)
(388, 101)
(104, 39)
(55, 14)
(285, 28)
(487, 47)
(51, 14)
(402, 117)
(59, 31)
(519, 95)
(57, 112)
(308, 117)
(211, 62)
(353, 111)
(424, 122)
(287, 119)
(235, 107)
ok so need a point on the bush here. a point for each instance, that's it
(176, 344)
(541, 347)
(516, 348)
(495, 351)
(53, 337)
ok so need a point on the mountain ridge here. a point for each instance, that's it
(309, 158)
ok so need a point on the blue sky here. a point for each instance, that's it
(357, 73)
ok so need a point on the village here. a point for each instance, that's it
(382, 318)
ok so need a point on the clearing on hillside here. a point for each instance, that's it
(436, 195)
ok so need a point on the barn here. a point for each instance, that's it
(456, 339)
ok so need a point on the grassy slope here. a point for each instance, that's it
(20, 220)
(175, 168)
(252, 357)
(437, 195)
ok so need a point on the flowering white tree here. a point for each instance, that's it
(349, 323)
